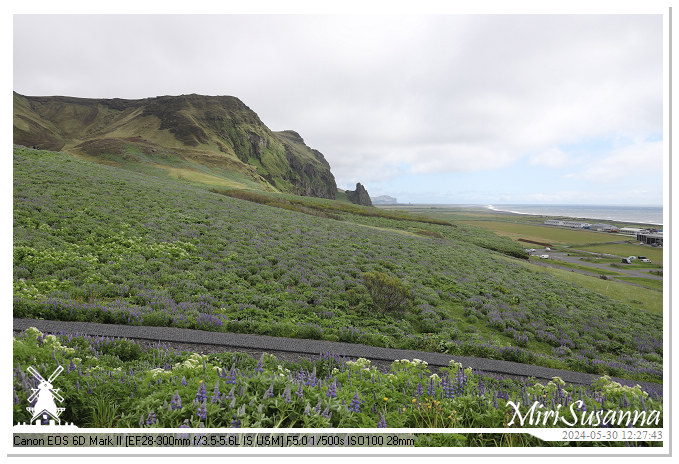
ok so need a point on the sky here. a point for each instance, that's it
(450, 109)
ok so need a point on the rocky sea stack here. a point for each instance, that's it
(359, 196)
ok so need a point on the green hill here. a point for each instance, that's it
(214, 140)
(98, 243)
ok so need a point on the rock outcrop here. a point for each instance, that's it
(359, 196)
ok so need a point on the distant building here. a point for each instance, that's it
(604, 227)
(632, 231)
(553, 222)
(649, 238)
(576, 224)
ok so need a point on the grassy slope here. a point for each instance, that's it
(219, 134)
(98, 243)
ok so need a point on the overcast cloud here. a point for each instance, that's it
(407, 105)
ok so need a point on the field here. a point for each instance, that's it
(626, 249)
(552, 235)
(579, 267)
(98, 243)
(645, 299)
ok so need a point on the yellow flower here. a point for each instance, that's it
(386, 399)
(414, 400)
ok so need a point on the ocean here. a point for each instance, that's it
(633, 214)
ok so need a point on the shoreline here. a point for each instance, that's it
(519, 213)
(493, 209)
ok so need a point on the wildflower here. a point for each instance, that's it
(307, 410)
(332, 390)
(184, 381)
(431, 387)
(232, 376)
(201, 395)
(176, 401)
(235, 423)
(286, 394)
(216, 394)
(185, 425)
(151, 419)
(355, 405)
(382, 424)
(269, 392)
(202, 411)
(300, 390)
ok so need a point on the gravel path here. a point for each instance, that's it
(293, 349)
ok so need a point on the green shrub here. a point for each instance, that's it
(126, 350)
(388, 293)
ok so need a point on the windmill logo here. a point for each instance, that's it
(45, 411)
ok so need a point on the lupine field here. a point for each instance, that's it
(96, 243)
(113, 383)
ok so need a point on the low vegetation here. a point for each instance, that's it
(112, 383)
(96, 243)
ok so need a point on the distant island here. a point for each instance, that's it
(384, 200)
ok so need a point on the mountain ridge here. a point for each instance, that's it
(216, 140)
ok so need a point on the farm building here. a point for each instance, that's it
(632, 231)
(649, 238)
(573, 224)
(604, 227)
(576, 224)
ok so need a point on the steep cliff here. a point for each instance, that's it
(210, 139)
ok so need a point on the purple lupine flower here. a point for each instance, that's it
(176, 401)
(235, 423)
(201, 395)
(332, 390)
(420, 390)
(184, 382)
(286, 394)
(355, 405)
(307, 410)
(300, 390)
(202, 411)
(431, 387)
(216, 394)
(260, 366)
(382, 424)
(232, 376)
(16, 398)
(185, 425)
(141, 420)
(151, 419)
(269, 392)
